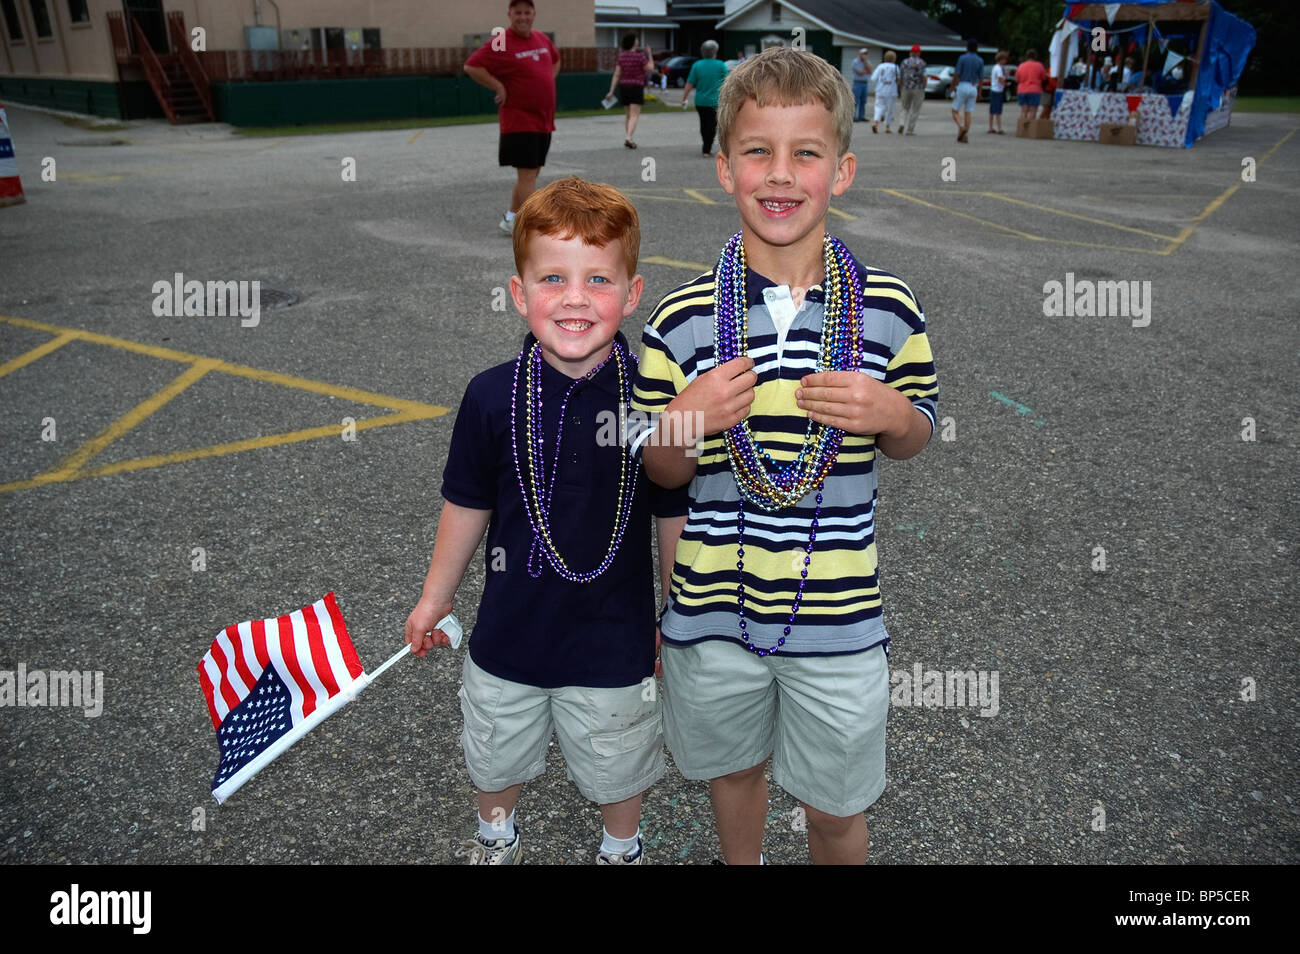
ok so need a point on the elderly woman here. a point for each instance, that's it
(885, 82)
(633, 67)
(706, 78)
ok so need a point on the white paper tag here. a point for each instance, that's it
(450, 625)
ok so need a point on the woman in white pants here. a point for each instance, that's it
(885, 82)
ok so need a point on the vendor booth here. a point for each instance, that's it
(1189, 56)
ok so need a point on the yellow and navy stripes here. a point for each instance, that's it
(841, 607)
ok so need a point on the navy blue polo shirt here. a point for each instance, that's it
(547, 631)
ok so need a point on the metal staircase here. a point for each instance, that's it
(177, 79)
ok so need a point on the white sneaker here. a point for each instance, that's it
(636, 857)
(495, 852)
(506, 226)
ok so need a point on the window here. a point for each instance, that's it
(78, 12)
(12, 23)
(776, 13)
(41, 17)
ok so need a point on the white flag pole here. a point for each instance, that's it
(388, 662)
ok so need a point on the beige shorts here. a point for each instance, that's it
(612, 739)
(820, 718)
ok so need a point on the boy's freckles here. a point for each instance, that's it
(574, 296)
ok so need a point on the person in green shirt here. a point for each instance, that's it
(706, 78)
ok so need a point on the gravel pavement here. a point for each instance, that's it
(1145, 712)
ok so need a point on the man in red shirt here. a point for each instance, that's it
(520, 66)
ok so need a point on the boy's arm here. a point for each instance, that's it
(686, 412)
(908, 440)
(712, 403)
(459, 531)
(669, 531)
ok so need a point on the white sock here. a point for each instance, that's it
(510, 216)
(491, 831)
(618, 846)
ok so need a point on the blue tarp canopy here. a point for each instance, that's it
(1228, 42)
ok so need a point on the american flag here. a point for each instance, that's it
(268, 682)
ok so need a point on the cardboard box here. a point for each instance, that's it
(1118, 134)
(1036, 129)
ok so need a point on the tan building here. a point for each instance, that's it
(71, 39)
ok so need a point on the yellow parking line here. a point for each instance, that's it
(47, 478)
(253, 443)
(78, 458)
(1075, 215)
(1277, 144)
(153, 351)
(39, 351)
(340, 391)
(1187, 231)
(699, 196)
(1027, 235)
(655, 197)
(674, 263)
(1209, 210)
(216, 450)
(93, 176)
(996, 225)
(74, 466)
(844, 215)
(1132, 195)
(243, 371)
(415, 137)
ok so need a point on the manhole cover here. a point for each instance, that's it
(275, 298)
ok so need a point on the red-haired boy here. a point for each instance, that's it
(565, 634)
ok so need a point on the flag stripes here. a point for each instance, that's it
(309, 648)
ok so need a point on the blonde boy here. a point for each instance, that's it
(801, 362)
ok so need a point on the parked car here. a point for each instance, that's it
(660, 57)
(677, 68)
(937, 79)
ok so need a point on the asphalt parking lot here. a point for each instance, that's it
(1146, 711)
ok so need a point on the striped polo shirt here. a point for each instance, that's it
(840, 611)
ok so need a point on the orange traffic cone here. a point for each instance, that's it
(11, 188)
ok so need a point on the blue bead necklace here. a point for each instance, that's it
(759, 478)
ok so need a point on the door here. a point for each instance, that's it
(149, 14)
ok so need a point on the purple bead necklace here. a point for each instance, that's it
(531, 471)
(760, 479)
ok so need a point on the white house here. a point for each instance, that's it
(836, 29)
